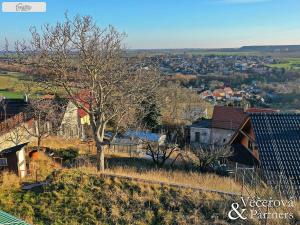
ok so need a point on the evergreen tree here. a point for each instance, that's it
(151, 118)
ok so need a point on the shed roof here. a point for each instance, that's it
(12, 149)
(206, 123)
(143, 135)
(6, 219)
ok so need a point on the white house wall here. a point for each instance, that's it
(70, 125)
(16, 136)
(21, 163)
(205, 135)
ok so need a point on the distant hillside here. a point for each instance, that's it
(244, 49)
(271, 48)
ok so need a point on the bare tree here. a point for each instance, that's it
(161, 153)
(3, 106)
(6, 50)
(89, 64)
(45, 115)
(208, 156)
(17, 135)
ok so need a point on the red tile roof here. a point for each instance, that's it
(229, 118)
(84, 98)
(81, 113)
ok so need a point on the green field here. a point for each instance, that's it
(14, 84)
(10, 85)
(11, 95)
(288, 63)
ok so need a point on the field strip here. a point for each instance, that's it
(176, 185)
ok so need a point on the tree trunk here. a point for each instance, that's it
(39, 143)
(100, 157)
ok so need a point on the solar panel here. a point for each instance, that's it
(278, 139)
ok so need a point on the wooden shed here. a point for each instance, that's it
(13, 159)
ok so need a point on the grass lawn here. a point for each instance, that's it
(10, 95)
(12, 84)
(288, 63)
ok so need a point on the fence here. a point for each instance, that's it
(134, 150)
(254, 178)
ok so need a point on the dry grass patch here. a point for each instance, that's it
(192, 179)
(55, 142)
(8, 181)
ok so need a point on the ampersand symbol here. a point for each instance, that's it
(235, 207)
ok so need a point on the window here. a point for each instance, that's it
(3, 162)
(197, 136)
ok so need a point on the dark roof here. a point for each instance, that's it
(261, 110)
(278, 140)
(13, 149)
(206, 123)
(228, 118)
(13, 107)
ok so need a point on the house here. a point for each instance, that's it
(206, 94)
(13, 159)
(219, 94)
(136, 140)
(236, 97)
(14, 131)
(218, 130)
(200, 132)
(271, 141)
(228, 92)
(145, 136)
(225, 121)
(75, 123)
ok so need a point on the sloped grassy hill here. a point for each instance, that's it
(74, 197)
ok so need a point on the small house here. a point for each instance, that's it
(75, 123)
(225, 121)
(219, 94)
(271, 142)
(228, 92)
(145, 136)
(136, 140)
(200, 132)
(13, 159)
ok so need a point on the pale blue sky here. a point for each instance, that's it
(175, 23)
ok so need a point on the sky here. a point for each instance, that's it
(154, 24)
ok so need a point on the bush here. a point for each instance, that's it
(68, 155)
